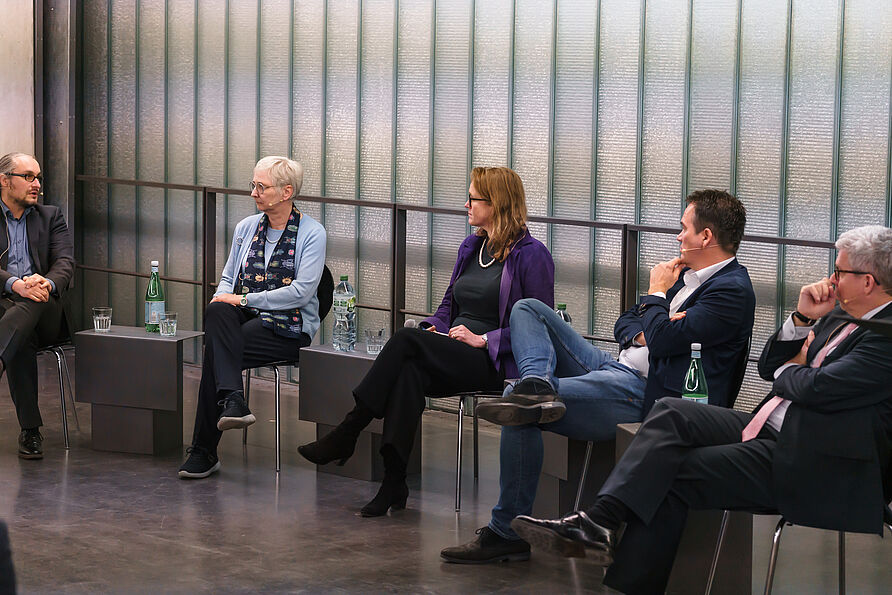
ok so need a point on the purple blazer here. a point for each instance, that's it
(528, 273)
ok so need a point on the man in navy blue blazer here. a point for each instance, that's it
(703, 296)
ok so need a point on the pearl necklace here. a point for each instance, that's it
(480, 256)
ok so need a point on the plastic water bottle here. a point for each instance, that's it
(695, 380)
(154, 300)
(562, 313)
(344, 307)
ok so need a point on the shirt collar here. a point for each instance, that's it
(8, 214)
(694, 279)
(874, 312)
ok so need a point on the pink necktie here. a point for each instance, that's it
(753, 428)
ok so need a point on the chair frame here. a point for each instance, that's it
(274, 366)
(58, 350)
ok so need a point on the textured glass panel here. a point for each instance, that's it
(415, 39)
(864, 131)
(812, 92)
(617, 110)
(760, 261)
(606, 283)
(150, 145)
(183, 208)
(275, 77)
(574, 88)
(93, 229)
(713, 56)
(122, 148)
(211, 111)
(451, 108)
(761, 116)
(664, 95)
(243, 121)
(307, 100)
(493, 26)
(341, 142)
(533, 52)
(754, 388)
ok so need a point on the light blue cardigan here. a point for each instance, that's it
(301, 294)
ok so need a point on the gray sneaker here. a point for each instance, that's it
(488, 547)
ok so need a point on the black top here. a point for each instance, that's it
(476, 295)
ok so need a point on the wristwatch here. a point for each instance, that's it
(803, 318)
(485, 340)
(243, 301)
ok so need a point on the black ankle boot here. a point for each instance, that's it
(393, 491)
(338, 445)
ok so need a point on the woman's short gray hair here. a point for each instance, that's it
(869, 249)
(282, 171)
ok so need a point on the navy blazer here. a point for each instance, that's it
(719, 315)
(836, 439)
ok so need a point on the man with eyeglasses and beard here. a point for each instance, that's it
(36, 267)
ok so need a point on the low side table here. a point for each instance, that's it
(134, 381)
(327, 380)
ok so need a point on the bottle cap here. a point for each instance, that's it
(695, 347)
(343, 277)
(562, 306)
(154, 263)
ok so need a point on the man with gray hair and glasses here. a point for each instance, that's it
(36, 267)
(817, 449)
(265, 308)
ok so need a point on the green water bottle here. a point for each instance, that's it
(695, 380)
(154, 300)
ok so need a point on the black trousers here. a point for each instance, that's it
(416, 363)
(24, 326)
(685, 456)
(7, 574)
(234, 339)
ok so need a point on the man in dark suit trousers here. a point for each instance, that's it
(36, 265)
(815, 450)
(705, 296)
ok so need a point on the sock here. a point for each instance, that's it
(609, 512)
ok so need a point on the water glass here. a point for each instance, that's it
(167, 324)
(102, 319)
(374, 341)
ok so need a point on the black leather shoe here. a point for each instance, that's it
(30, 444)
(572, 536)
(532, 401)
(487, 548)
(337, 445)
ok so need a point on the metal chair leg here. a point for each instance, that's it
(772, 562)
(717, 552)
(278, 428)
(68, 385)
(461, 415)
(588, 458)
(62, 398)
(842, 563)
(476, 446)
(247, 402)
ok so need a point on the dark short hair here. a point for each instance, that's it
(722, 213)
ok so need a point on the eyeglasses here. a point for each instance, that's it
(28, 177)
(260, 187)
(473, 198)
(837, 271)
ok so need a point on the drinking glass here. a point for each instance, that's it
(102, 319)
(374, 341)
(167, 324)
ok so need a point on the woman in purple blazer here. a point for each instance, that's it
(464, 346)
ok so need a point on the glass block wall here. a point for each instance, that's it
(608, 109)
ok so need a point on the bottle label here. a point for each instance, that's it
(154, 311)
(344, 305)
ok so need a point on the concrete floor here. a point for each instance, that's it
(87, 521)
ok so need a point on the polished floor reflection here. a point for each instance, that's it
(87, 521)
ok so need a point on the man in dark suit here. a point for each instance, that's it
(704, 296)
(36, 266)
(815, 450)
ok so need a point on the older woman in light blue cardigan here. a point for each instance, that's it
(265, 308)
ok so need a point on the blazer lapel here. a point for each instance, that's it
(4, 244)
(731, 266)
(32, 223)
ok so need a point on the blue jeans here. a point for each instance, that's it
(598, 392)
